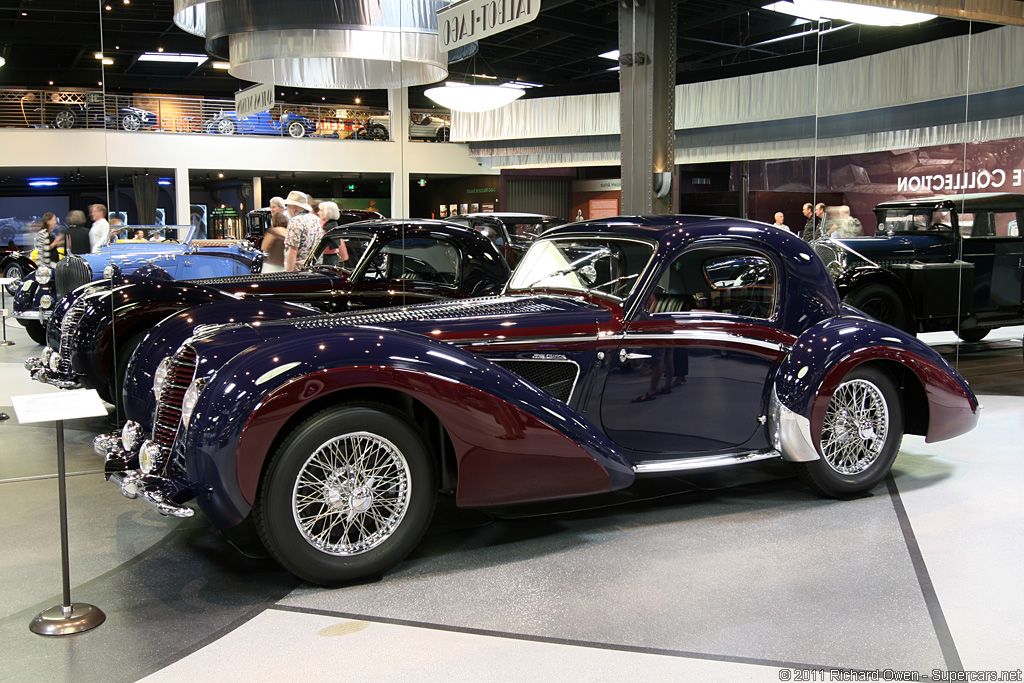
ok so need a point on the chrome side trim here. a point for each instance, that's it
(704, 462)
(791, 433)
(475, 342)
(702, 335)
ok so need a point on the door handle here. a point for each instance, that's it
(624, 356)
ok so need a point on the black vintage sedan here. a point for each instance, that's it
(94, 330)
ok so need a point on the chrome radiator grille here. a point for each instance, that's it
(68, 329)
(168, 409)
(826, 252)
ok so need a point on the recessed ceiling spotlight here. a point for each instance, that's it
(107, 7)
(107, 61)
(358, 100)
(159, 49)
(220, 175)
(51, 82)
(97, 55)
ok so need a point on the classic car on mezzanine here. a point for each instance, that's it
(94, 116)
(938, 263)
(95, 329)
(336, 433)
(43, 288)
(261, 123)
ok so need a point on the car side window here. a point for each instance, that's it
(425, 259)
(710, 280)
(990, 224)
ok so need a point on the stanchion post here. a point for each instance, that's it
(68, 617)
(3, 309)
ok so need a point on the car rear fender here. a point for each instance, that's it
(512, 442)
(937, 401)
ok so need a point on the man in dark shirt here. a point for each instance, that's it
(809, 233)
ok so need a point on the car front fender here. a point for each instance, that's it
(513, 443)
(166, 337)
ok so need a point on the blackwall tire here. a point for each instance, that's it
(347, 495)
(882, 304)
(973, 335)
(36, 331)
(131, 122)
(860, 436)
(14, 270)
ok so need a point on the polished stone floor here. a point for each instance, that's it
(674, 580)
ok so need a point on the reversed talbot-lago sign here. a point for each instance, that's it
(463, 22)
(254, 100)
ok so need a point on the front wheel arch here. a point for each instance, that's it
(866, 404)
(359, 478)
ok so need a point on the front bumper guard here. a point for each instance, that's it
(39, 370)
(157, 491)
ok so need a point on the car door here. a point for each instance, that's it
(691, 374)
(997, 253)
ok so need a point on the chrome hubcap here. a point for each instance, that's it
(855, 428)
(351, 494)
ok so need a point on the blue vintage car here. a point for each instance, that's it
(620, 348)
(261, 123)
(37, 294)
(937, 263)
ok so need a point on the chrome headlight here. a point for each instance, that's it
(151, 457)
(45, 301)
(54, 361)
(188, 404)
(160, 375)
(43, 274)
(131, 435)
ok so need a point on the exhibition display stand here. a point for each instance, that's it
(4, 281)
(68, 617)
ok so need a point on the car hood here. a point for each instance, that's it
(256, 284)
(502, 319)
(895, 248)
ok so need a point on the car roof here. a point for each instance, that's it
(397, 225)
(989, 201)
(510, 214)
(662, 228)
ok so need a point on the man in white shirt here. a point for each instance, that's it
(99, 233)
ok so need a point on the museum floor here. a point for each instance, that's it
(677, 580)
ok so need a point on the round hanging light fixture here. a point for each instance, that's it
(475, 97)
(321, 43)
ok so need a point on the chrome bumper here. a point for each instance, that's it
(27, 315)
(131, 482)
(39, 370)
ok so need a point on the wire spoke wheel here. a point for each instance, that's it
(855, 428)
(351, 494)
(348, 494)
(861, 432)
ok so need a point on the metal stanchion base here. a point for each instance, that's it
(6, 342)
(61, 621)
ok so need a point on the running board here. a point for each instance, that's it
(701, 463)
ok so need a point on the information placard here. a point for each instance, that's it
(58, 405)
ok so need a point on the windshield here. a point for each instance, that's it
(610, 266)
(914, 220)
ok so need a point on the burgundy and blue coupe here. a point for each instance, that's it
(620, 348)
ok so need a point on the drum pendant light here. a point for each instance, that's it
(321, 43)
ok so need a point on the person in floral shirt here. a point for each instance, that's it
(304, 230)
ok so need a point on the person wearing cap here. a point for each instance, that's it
(304, 230)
